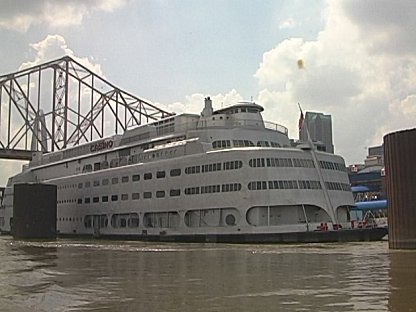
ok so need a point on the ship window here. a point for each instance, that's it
(135, 196)
(124, 196)
(257, 162)
(192, 190)
(103, 221)
(96, 183)
(123, 223)
(244, 110)
(160, 174)
(104, 199)
(175, 192)
(105, 181)
(123, 161)
(147, 176)
(88, 221)
(88, 184)
(147, 195)
(104, 164)
(87, 200)
(210, 189)
(160, 194)
(193, 170)
(221, 144)
(175, 172)
(257, 185)
(230, 220)
(114, 163)
(114, 180)
(79, 200)
(133, 221)
(87, 168)
(97, 166)
(80, 185)
(233, 164)
(135, 177)
(114, 197)
(124, 179)
(231, 187)
(95, 199)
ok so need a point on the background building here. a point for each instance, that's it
(320, 130)
(371, 173)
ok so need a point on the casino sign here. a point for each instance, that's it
(99, 146)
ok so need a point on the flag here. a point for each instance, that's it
(301, 120)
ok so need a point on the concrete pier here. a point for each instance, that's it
(34, 211)
(400, 168)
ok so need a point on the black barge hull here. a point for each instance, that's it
(340, 236)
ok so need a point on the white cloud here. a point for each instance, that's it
(55, 46)
(20, 15)
(350, 73)
(386, 27)
(194, 103)
(287, 23)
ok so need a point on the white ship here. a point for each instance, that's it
(221, 176)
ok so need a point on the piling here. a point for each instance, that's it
(34, 211)
(400, 169)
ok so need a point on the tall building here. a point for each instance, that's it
(320, 130)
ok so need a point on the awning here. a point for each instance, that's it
(371, 204)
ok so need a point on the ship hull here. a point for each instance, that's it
(340, 236)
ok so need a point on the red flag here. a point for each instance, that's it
(301, 120)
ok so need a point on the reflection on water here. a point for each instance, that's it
(403, 280)
(68, 275)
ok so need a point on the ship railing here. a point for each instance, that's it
(276, 127)
(249, 123)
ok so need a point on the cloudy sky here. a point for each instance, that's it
(359, 56)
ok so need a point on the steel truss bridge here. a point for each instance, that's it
(61, 103)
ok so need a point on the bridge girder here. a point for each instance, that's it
(62, 103)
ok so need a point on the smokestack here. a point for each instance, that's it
(207, 111)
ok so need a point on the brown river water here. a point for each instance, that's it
(99, 275)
